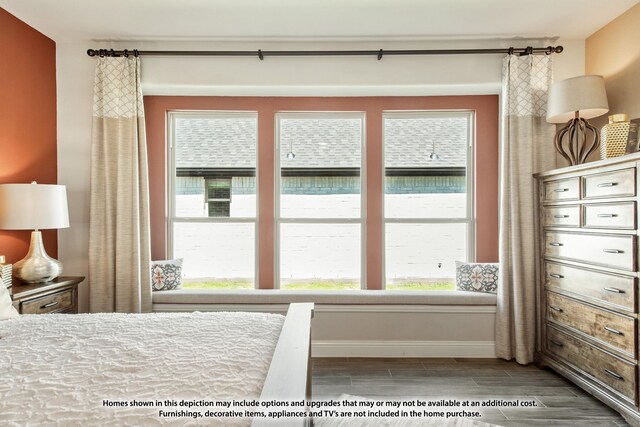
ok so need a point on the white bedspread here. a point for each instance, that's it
(57, 369)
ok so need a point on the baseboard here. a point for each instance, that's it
(480, 349)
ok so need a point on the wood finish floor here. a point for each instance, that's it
(559, 402)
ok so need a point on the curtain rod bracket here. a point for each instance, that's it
(527, 51)
(111, 53)
(380, 53)
(260, 55)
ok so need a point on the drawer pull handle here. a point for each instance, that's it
(561, 216)
(607, 184)
(561, 190)
(556, 343)
(607, 215)
(555, 244)
(51, 304)
(614, 375)
(556, 276)
(612, 251)
(613, 331)
(615, 290)
(554, 308)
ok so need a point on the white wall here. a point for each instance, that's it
(319, 76)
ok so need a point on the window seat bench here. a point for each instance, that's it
(355, 297)
(358, 323)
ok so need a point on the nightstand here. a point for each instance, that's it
(58, 296)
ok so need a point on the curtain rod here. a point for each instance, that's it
(261, 54)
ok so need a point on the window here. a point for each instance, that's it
(319, 202)
(213, 203)
(218, 194)
(325, 220)
(428, 199)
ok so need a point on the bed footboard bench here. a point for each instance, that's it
(289, 376)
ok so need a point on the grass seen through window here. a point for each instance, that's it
(322, 285)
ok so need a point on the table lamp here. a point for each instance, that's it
(34, 207)
(572, 101)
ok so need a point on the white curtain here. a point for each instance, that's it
(119, 245)
(527, 147)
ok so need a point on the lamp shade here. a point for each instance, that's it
(584, 94)
(33, 206)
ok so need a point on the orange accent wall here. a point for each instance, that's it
(486, 108)
(27, 119)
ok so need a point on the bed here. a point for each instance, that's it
(104, 369)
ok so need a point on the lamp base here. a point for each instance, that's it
(37, 266)
(577, 148)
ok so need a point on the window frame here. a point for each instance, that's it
(278, 220)
(208, 200)
(172, 115)
(469, 218)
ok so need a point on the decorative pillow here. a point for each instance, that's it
(6, 307)
(166, 275)
(477, 277)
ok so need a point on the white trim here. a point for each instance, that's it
(187, 308)
(401, 308)
(471, 184)
(418, 114)
(364, 190)
(370, 348)
(276, 201)
(460, 220)
(320, 220)
(329, 308)
(214, 220)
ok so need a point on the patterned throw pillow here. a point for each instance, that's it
(477, 277)
(166, 275)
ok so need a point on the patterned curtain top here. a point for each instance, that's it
(117, 91)
(525, 83)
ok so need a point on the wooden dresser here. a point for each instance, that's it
(588, 290)
(58, 296)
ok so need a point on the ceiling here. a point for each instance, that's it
(75, 20)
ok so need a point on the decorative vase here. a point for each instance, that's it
(613, 137)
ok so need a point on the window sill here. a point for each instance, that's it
(268, 296)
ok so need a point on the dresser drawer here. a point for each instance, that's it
(612, 290)
(563, 189)
(562, 216)
(616, 373)
(605, 326)
(52, 303)
(616, 251)
(610, 215)
(620, 183)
